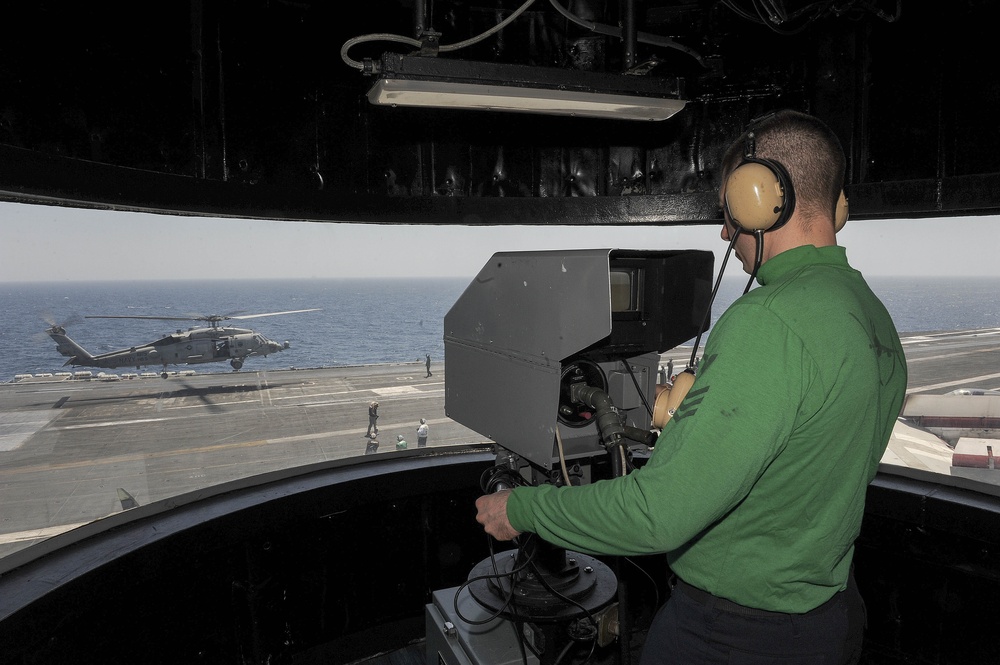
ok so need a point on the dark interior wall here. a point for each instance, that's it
(221, 107)
(927, 564)
(336, 564)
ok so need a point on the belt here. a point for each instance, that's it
(715, 602)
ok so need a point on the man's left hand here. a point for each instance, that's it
(493, 515)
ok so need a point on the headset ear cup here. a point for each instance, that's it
(668, 400)
(840, 215)
(755, 196)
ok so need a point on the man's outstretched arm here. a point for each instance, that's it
(493, 515)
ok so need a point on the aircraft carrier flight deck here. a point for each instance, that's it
(72, 451)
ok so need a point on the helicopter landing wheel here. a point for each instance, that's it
(163, 374)
(237, 364)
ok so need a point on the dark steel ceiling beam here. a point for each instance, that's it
(30, 177)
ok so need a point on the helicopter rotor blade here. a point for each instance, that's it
(197, 317)
(257, 316)
(159, 318)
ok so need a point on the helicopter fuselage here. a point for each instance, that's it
(197, 345)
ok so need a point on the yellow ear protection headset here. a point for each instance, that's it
(759, 197)
(840, 214)
(759, 193)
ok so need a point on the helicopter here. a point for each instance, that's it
(211, 343)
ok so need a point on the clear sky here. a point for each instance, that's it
(50, 243)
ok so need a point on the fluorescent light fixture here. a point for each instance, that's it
(440, 83)
(441, 94)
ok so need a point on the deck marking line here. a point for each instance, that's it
(946, 384)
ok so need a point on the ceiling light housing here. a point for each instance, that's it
(435, 82)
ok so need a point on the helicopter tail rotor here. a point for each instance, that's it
(60, 326)
(64, 345)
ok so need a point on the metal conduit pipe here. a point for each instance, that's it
(611, 430)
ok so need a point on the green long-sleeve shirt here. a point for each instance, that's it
(756, 488)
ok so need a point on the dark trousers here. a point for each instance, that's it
(695, 627)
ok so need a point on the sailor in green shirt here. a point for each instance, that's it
(755, 489)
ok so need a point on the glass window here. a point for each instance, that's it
(220, 362)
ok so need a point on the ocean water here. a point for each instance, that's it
(362, 321)
(359, 322)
